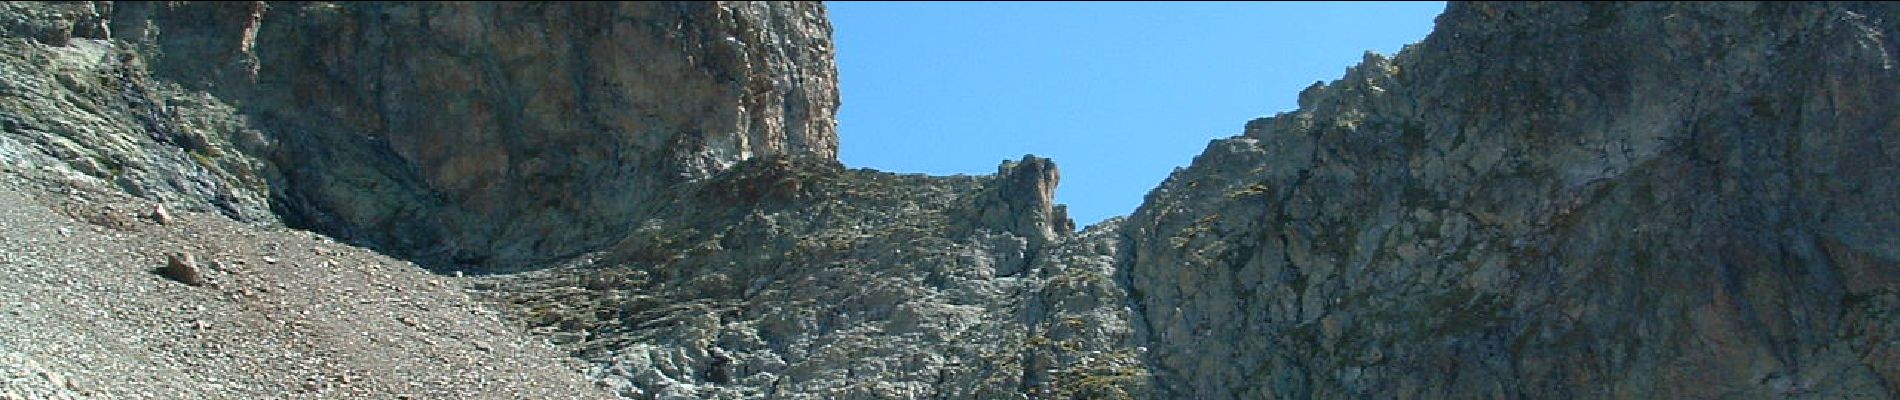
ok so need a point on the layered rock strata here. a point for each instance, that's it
(460, 134)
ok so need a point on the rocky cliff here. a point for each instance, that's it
(473, 134)
(669, 168)
(91, 308)
(1538, 200)
(1653, 200)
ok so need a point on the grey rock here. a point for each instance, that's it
(1653, 200)
(1021, 201)
(1546, 200)
(88, 112)
(792, 277)
(465, 135)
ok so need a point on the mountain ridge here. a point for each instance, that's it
(1538, 200)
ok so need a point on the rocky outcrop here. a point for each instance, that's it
(88, 110)
(1649, 200)
(55, 23)
(789, 277)
(1021, 201)
(472, 134)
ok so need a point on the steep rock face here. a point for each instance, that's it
(1650, 200)
(87, 111)
(493, 134)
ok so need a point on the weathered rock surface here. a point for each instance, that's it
(281, 313)
(1021, 201)
(88, 109)
(1651, 200)
(480, 134)
(797, 278)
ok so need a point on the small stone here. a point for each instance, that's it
(160, 215)
(270, 260)
(55, 379)
(181, 267)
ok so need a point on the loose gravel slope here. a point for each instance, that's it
(282, 314)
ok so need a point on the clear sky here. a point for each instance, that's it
(1117, 93)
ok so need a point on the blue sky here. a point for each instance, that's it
(1117, 93)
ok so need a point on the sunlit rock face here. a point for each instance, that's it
(1647, 200)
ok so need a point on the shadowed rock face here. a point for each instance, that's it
(1651, 200)
(490, 134)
